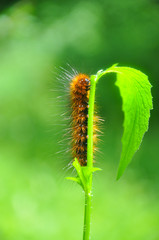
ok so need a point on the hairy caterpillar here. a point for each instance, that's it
(76, 100)
(79, 94)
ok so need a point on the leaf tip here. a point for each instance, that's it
(118, 176)
(120, 172)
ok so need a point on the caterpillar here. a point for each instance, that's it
(79, 96)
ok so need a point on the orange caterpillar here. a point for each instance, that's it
(79, 92)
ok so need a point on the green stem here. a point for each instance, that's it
(90, 124)
(88, 191)
(87, 216)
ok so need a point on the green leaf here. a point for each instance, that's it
(135, 91)
(80, 174)
(94, 169)
(75, 179)
(83, 174)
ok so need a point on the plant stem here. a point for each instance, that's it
(87, 217)
(90, 124)
(88, 191)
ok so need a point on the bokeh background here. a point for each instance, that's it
(36, 38)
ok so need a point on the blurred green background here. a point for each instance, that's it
(36, 38)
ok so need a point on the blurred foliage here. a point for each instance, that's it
(35, 38)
